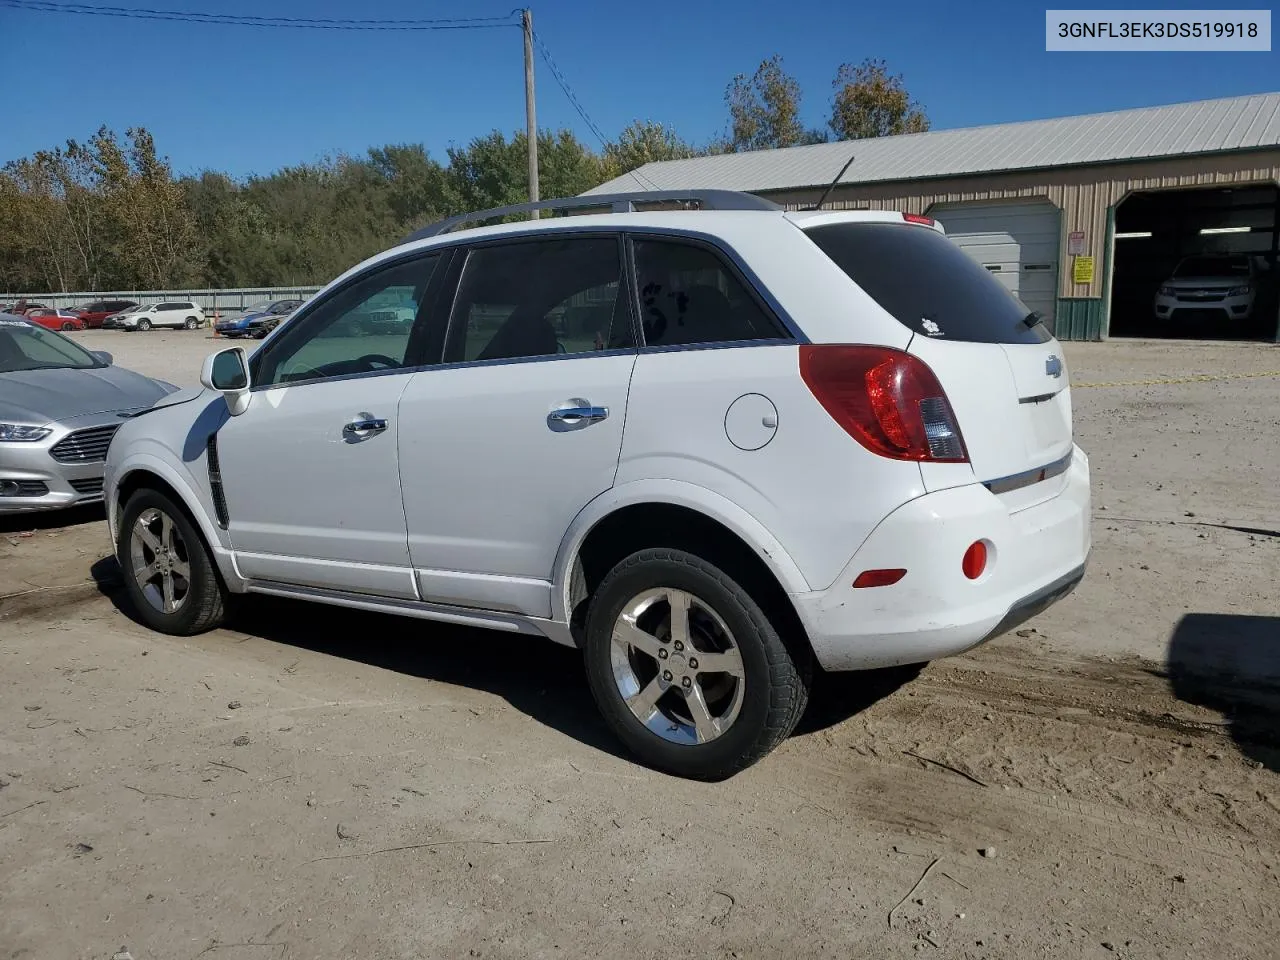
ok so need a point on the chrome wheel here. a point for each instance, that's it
(161, 564)
(677, 666)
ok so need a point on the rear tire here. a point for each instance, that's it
(68, 327)
(168, 572)
(671, 711)
(144, 325)
(190, 323)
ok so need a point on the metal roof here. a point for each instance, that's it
(1203, 126)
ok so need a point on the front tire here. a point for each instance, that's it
(687, 669)
(168, 572)
(190, 323)
(68, 327)
(144, 325)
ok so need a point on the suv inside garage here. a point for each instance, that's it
(1197, 263)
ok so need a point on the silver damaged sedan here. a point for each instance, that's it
(59, 407)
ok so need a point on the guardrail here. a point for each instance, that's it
(210, 300)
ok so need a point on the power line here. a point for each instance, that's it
(245, 20)
(577, 105)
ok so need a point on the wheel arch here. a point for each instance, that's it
(143, 471)
(681, 515)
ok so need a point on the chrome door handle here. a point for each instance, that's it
(363, 426)
(579, 413)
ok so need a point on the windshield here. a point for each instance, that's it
(262, 306)
(138, 309)
(927, 283)
(24, 346)
(1213, 267)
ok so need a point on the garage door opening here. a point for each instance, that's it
(1197, 264)
(1017, 242)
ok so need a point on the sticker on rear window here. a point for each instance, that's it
(931, 328)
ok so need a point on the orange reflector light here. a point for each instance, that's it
(975, 560)
(878, 578)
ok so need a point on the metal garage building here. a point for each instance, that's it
(1083, 217)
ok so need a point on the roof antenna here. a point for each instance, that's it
(827, 192)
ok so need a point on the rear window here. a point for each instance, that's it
(928, 283)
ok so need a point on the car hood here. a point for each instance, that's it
(1211, 283)
(42, 396)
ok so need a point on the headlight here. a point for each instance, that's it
(22, 433)
(1166, 291)
(1238, 291)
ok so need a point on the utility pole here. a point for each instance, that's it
(530, 110)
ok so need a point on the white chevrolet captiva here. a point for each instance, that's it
(716, 447)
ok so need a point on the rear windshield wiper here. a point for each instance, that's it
(1032, 318)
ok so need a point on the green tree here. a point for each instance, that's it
(641, 142)
(764, 109)
(493, 171)
(871, 102)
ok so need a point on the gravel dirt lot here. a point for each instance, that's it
(313, 782)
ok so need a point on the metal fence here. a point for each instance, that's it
(212, 301)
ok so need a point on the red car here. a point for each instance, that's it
(94, 313)
(63, 320)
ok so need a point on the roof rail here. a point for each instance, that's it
(618, 202)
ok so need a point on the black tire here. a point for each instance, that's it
(68, 327)
(203, 605)
(144, 325)
(190, 323)
(775, 683)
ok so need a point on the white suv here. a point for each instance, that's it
(180, 314)
(710, 447)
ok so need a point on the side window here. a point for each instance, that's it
(539, 298)
(689, 295)
(364, 327)
(174, 306)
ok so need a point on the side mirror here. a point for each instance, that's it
(227, 371)
(102, 356)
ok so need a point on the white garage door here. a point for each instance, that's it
(1017, 242)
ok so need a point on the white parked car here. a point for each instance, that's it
(180, 314)
(712, 448)
(1209, 286)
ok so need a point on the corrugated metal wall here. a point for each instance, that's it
(1083, 194)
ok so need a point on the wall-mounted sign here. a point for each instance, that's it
(1075, 243)
(1082, 270)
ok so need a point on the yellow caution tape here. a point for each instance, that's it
(1205, 378)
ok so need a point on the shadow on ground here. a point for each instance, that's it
(51, 519)
(543, 680)
(1231, 663)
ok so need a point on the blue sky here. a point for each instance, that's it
(249, 100)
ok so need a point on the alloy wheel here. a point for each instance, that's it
(677, 666)
(161, 563)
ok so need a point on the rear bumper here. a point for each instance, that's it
(1037, 555)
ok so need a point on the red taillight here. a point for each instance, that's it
(975, 560)
(887, 400)
(878, 578)
(916, 218)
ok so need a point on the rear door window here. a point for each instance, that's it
(928, 284)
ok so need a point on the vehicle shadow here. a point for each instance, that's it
(837, 697)
(1231, 664)
(542, 679)
(51, 519)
